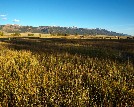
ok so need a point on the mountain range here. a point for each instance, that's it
(58, 30)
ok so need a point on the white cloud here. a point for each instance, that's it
(4, 18)
(16, 20)
(3, 15)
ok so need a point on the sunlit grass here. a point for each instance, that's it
(65, 73)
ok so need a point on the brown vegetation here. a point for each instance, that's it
(66, 72)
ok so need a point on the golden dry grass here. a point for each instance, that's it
(66, 72)
(7, 35)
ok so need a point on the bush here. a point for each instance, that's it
(39, 35)
(16, 34)
(1, 33)
(30, 34)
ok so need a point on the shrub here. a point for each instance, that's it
(1, 33)
(16, 34)
(30, 34)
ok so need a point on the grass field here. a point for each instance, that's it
(40, 35)
(58, 72)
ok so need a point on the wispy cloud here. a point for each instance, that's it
(16, 20)
(3, 15)
(4, 18)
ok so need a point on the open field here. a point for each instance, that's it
(59, 72)
(7, 35)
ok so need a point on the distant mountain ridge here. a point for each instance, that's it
(58, 30)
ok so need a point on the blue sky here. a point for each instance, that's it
(113, 15)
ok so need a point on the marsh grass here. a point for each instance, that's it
(66, 73)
